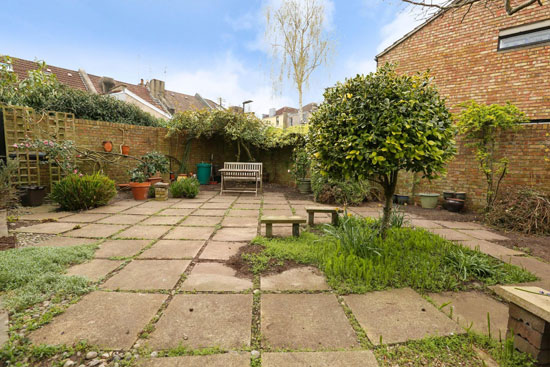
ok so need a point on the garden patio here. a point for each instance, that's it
(168, 290)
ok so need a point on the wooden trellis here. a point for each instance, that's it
(21, 123)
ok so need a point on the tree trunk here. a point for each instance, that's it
(300, 102)
(238, 150)
(389, 184)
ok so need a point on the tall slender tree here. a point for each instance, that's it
(299, 42)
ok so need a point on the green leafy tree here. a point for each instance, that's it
(373, 126)
(482, 126)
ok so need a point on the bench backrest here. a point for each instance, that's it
(244, 165)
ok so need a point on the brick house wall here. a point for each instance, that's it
(461, 54)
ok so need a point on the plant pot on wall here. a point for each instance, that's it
(304, 185)
(140, 190)
(401, 199)
(108, 146)
(454, 205)
(125, 149)
(154, 180)
(428, 200)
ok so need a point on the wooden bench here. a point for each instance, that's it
(529, 320)
(282, 219)
(241, 172)
(311, 210)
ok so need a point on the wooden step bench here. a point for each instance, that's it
(269, 220)
(311, 210)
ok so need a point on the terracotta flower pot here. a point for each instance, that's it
(140, 190)
(154, 180)
(107, 146)
(125, 149)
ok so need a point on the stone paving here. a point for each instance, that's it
(160, 272)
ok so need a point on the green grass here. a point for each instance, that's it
(457, 350)
(406, 258)
(34, 274)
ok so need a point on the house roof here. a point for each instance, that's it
(406, 36)
(282, 110)
(68, 77)
(185, 102)
(309, 107)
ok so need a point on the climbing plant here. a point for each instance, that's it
(481, 126)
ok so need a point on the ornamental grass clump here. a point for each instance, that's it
(82, 192)
(185, 188)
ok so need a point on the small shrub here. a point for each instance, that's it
(523, 210)
(355, 235)
(187, 187)
(8, 193)
(471, 265)
(329, 191)
(76, 192)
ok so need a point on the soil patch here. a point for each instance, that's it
(442, 214)
(244, 268)
(22, 223)
(7, 242)
(538, 246)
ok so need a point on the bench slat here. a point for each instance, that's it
(323, 209)
(282, 219)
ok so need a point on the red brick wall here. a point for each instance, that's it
(462, 57)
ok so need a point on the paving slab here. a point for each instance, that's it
(45, 215)
(190, 233)
(96, 230)
(128, 203)
(210, 205)
(204, 320)
(248, 199)
(471, 309)
(108, 209)
(148, 274)
(235, 234)
(215, 277)
(138, 210)
(231, 359)
(425, 223)
(459, 225)
(268, 206)
(120, 248)
(243, 213)
(201, 221)
(302, 278)
(48, 228)
(4, 326)
(240, 222)
(177, 212)
(305, 321)
(491, 249)
(94, 269)
(219, 250)
(483, 234)
(277, 212)
(122, 219)
(145, 232)
(399, 315)
(246, 206)
(186, 205)
(109, 320)
(172, 249)
(537, 267)
(209, 212)
(156, 220)
(156, 205)
(61, 241)
(83, 218)
(451, 234)
(359, 358)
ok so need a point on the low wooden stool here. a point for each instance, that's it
(282, 219)
(529, 320)
(311, 210)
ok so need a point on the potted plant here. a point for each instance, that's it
(300, 170)
(153, 164)
(401, 199)
(139, 184)
(428, 200)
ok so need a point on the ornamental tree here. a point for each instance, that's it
(373, 126)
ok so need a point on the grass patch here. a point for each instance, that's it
(356, 261)
(457, 350)
(34, 274)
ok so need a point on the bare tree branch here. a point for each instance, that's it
(510, 10)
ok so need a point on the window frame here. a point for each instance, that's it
(520, 33)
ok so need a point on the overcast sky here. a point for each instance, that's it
(213, 47)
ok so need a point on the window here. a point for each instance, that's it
(6, 66)
(527, 35)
